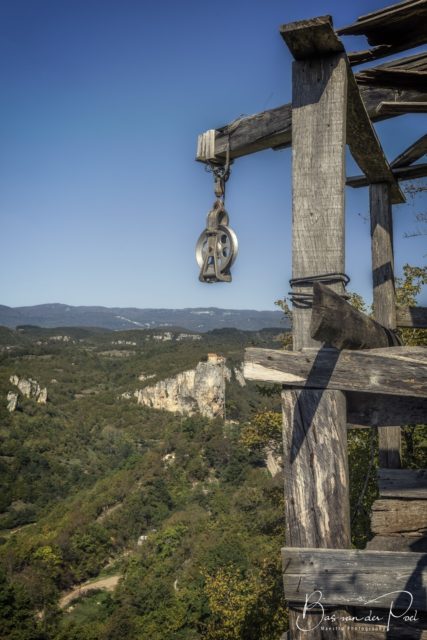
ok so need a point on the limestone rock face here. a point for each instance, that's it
(30, 388)
(199, 390)
(12, 401)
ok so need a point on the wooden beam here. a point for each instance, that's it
(384, 297)
(384, 50)
(398, 543)
(408, 484)
(414, 317)
(401, 174)
(272, 129)
(399, 371)
(413, 153)
(310, 38)
(401, 108)
(336, 323)
(376, 410)
(355, 578)
(319, 107)
(405, 517)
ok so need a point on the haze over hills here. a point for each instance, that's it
(117, 318)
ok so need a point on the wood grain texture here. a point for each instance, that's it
(408, 484)
(415, 317)
(338, 324)
(319, 126)
(398, 543)
(410, 72)
(406, 517)
(348, 577)
(315, 468)
(376, 410)
(401, 174)
(400, 371)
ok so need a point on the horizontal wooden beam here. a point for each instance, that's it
(401, 174)
(408, 484)
(384, 50)
(414, 317)
(401, 108)
(272, 129)
(417, 150)
(355, 578)
(398, 543)
(400, 371)
(377, 410)
(338, 324)
(405, 517)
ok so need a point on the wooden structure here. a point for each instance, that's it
(346, 369)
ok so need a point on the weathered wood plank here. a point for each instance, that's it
(400, 371)
(338, 324)
(413, 153)
(319, 97)
(355, 578)
(410, 72)
(365, 146)
(401, 174)
(376, 410)
(398, 630)
(401, 108)
(273, 128)
(406, 517)
(415, 317)
(398, 543)
(309, 38)
(403, 483)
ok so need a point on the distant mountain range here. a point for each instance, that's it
(118, 318)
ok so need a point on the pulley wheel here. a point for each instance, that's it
(226, 246)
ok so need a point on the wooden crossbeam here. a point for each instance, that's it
(414, 317)
(376, 410)
(272, 129)
(338, 324)
(355, 578)
(401, 174)
(417, 150)
(390, 30)
(399, 371)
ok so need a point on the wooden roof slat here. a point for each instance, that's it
(417, 150)
(410, 72)
(400, 108)
(389, 30)
(379, 26)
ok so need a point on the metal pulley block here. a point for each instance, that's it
(217, 246)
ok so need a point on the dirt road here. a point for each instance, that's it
(108, 584)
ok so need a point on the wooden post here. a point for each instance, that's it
(384, 299)
(314, 422)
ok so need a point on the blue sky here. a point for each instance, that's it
(101, 201)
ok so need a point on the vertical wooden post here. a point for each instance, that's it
(314, 422)
(384, 298)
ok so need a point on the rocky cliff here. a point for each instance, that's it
(29, 388)
(199, 390)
